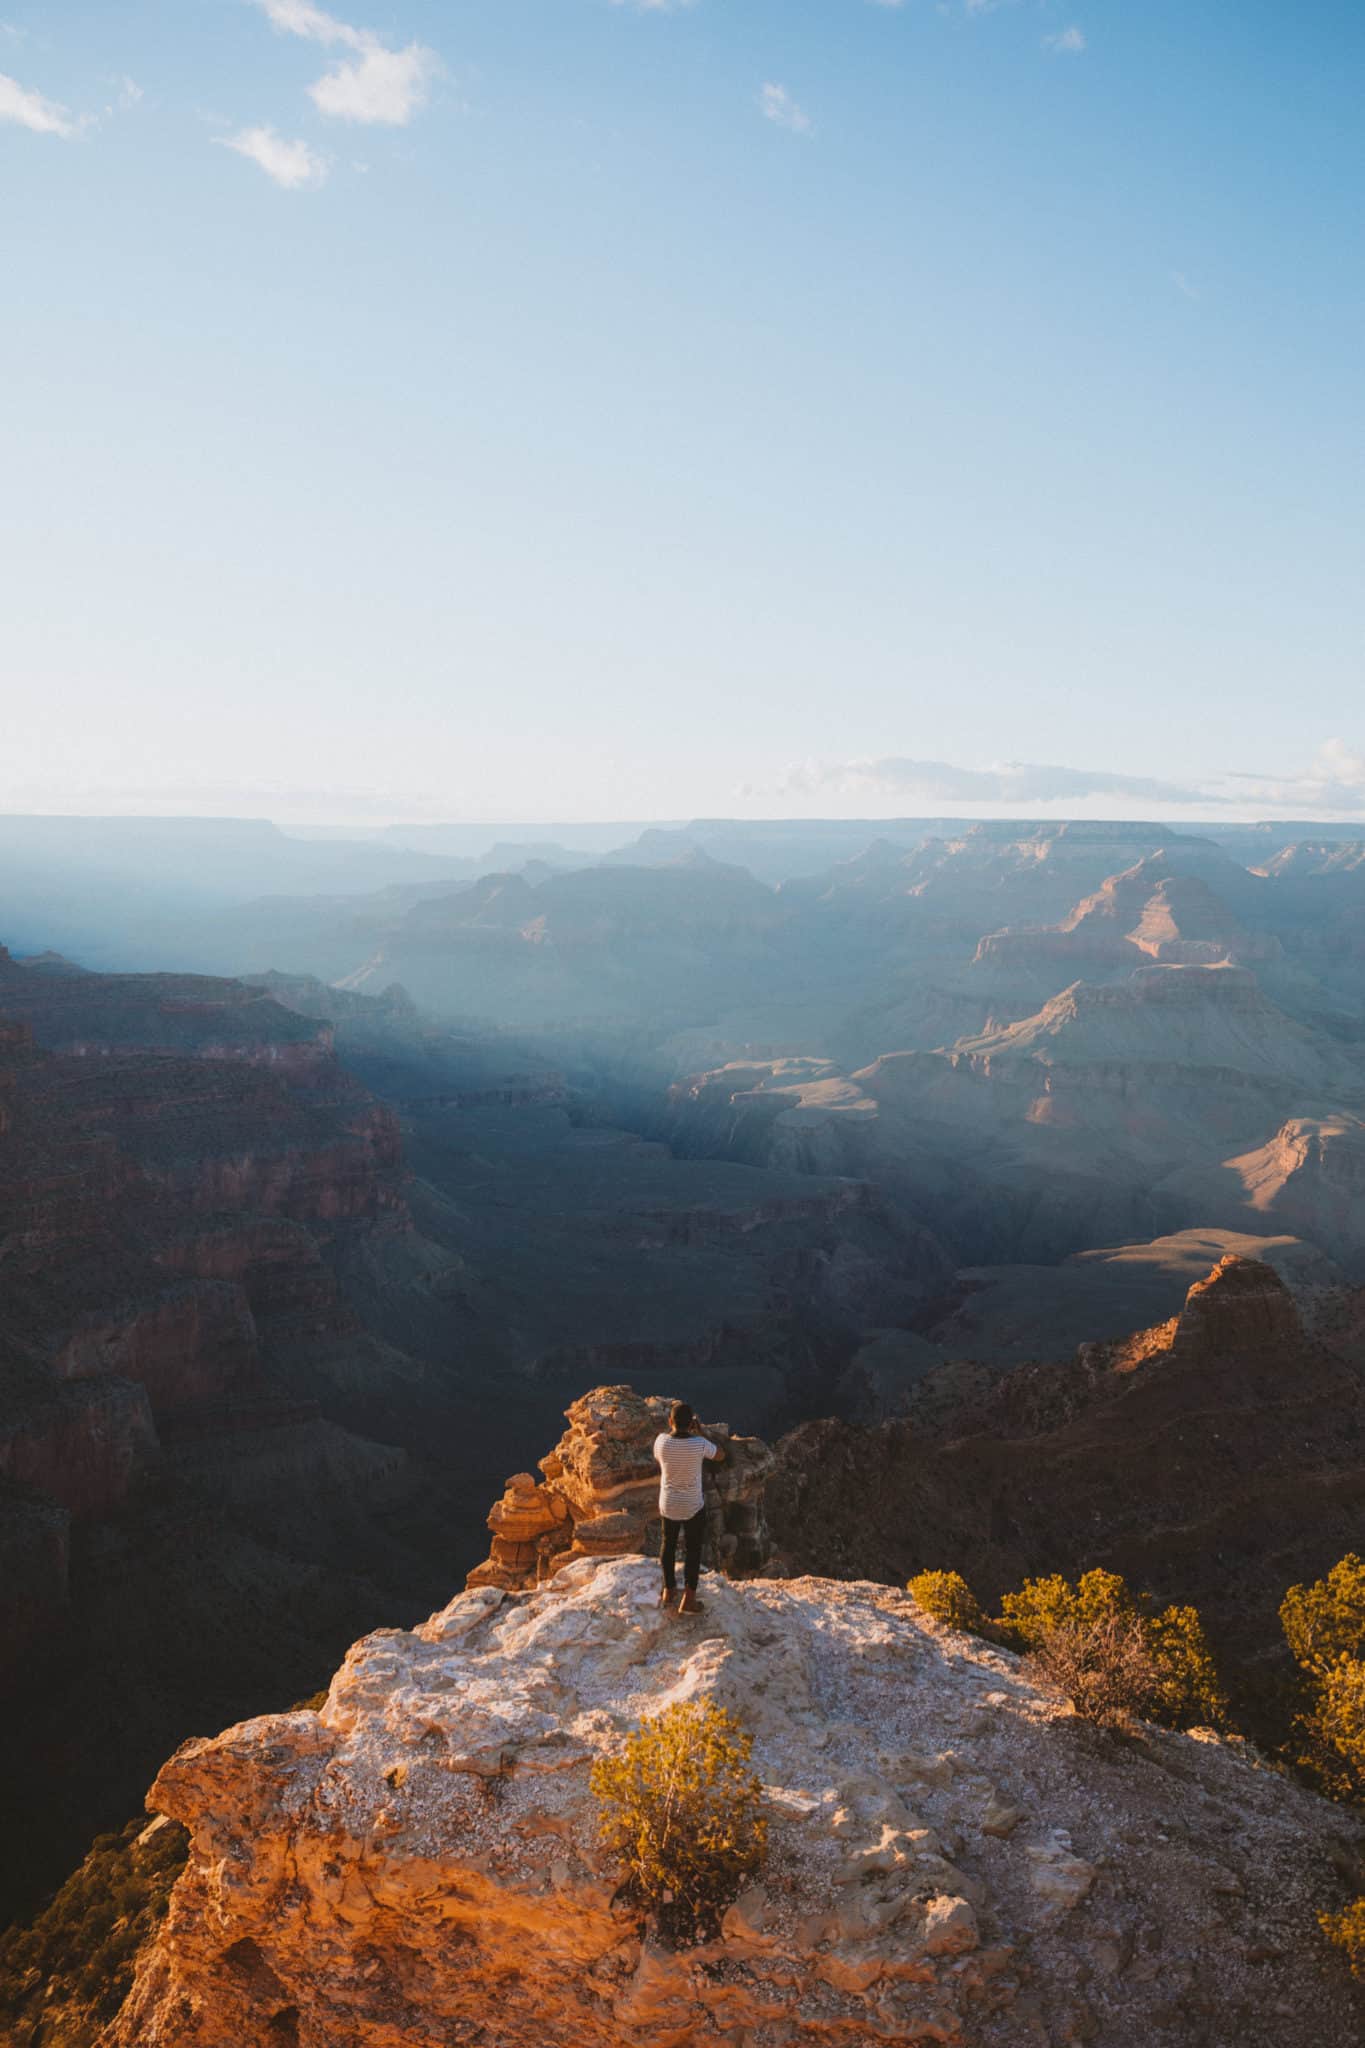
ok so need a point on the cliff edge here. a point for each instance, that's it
(953, 1857)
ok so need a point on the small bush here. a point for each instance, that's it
(1188, 1686)
(1104, 1666)
(1041, 1606)
(1326, 1621)
(949, 1599)
(1346, 1931)
(1090, 1623)
(682, 1810)
(1335, 1727)
(1324, 1625)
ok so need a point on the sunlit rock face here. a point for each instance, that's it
(600, 1495)
(952, 1857)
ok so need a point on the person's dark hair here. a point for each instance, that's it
(681, 1420)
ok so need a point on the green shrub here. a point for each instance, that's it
(1188, 1686)
(1324, 1625)
(1098, 1623)
(1332, 1727)
(682, 1810)
(949, 1599)
(1340, 1717)
(1044, 1605)
(1346, 1931)
(1326, 1620)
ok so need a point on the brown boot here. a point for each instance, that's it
(691, 1604)
(668, 1596)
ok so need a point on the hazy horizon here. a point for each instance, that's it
(323, 814)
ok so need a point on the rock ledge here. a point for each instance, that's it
(953, 1857)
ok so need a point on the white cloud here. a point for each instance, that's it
(778, 105)
(1182, 284)
(30, 109)
(1068, 42)
(381, 85)
(1008, 782)
(1331, 786)
(299, 18)
(375, 85)
(1333, 781)
(291, 164)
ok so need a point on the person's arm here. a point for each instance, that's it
(717, 1450)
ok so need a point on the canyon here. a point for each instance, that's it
(1007, 1180)
(264, 1331)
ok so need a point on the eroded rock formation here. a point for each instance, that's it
(1118, 1108)
(952, 1858)
(599, 1497)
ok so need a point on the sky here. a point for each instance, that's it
(607, 408)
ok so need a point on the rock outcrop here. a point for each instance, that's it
(1242, 1306)
(952, 1857)
(600, 1496)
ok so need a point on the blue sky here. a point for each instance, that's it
(560, 408)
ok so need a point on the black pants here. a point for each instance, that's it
(692, 1532)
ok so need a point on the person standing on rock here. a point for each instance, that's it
(680, 1454)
